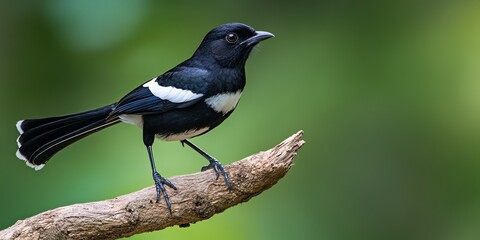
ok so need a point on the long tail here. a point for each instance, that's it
(40, 139)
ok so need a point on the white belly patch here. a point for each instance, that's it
(224, 102)
(183, 135)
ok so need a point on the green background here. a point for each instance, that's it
(388, 93)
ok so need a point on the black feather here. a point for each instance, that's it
(42, 138)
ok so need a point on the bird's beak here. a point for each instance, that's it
(258, 37)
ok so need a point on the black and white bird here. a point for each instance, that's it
(187, 101)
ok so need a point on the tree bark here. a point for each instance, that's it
(199, 197)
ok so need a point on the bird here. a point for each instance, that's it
(186, 101)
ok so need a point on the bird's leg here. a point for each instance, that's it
(159, 180)
(214, 163)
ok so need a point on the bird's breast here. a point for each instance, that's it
(224, 102)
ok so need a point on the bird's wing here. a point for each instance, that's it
(178, 88)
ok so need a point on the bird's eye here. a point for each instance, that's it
(231, 38)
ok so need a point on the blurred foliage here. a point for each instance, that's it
(388, 93)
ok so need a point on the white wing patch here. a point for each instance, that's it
(172, 94)
(224, 102)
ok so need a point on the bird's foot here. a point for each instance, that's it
(159, 182)
(218, 168)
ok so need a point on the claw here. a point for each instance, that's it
(214, 163)
(218, 168)
(159, 182)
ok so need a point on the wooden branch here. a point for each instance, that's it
(199, 197)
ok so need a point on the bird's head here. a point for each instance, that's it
(230, 44)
